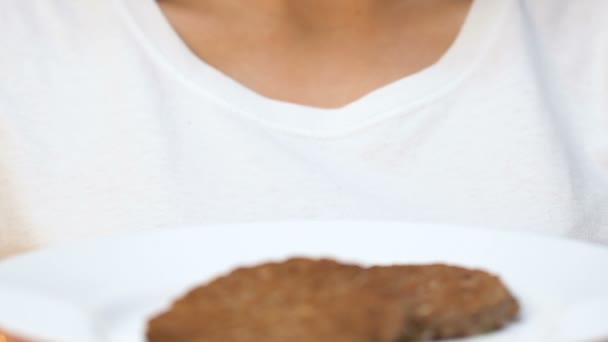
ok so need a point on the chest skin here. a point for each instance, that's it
(323, 54)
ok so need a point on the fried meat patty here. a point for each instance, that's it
(303, 300)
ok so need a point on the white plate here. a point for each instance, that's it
(105, 290)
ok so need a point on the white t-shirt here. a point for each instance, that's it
(108, 123)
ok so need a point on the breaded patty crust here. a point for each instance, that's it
(322, 300)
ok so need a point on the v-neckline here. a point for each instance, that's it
(157, 33)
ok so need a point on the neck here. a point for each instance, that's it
(322, 13)
(309, 14)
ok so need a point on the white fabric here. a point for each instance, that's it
(108, 123)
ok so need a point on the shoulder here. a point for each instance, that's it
(51, 16)
(27, 26)
(571, 33)
(573, 38)
(44, 39)
(576, 16)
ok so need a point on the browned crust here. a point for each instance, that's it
(301, 300)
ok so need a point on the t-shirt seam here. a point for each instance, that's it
(159, 58)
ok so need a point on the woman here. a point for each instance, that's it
(130, 114)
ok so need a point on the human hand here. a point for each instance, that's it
(6, 337)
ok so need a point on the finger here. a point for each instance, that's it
(5, 337)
